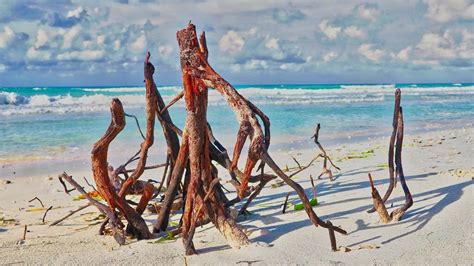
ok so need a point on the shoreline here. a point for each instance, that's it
(438, 171)
(26, 168)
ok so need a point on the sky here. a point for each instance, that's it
(103, 43)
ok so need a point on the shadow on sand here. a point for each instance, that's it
(415, 218)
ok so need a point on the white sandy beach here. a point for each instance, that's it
(436, 230)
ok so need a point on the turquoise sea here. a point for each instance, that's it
(51, 123)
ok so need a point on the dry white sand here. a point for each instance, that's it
(437, 230)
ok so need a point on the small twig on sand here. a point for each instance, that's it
(313, 186)
(46, 212)
(286, 202)
(36, 198)
(70, 214)
(332, 237)
(24, 232)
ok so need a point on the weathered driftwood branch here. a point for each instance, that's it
(198, 74)
(326, 169)
(137, 225)
(200, 191)
(196, 130)
(391, 168)
(115, 222)
(379, 203)
(398, 213)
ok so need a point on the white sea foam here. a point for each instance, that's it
(129, 89)
(12, 103)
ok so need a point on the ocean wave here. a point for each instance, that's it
(130, 89)
(368, 87)
(12, 103)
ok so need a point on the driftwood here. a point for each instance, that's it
(391, 168)
(198, 75)
(379, 202)
(189, 174)
(323, 154)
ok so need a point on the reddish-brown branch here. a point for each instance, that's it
(378, 203)
(198, 67)
(101, 176)
(175, 99)
(195, 92)
(151, 109)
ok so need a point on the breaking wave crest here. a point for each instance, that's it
(13, 103)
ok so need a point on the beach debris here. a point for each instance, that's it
(379, 202)
(313, 187)
(8, 221)
(36, 209)
(94, 194)
(323, 154)
(358, 155)
(70, 214)
(300, 206)
(6, 182)
(348, 249)
(36, 198)
(285, 203)
(46, 212)
(332, 237)
(24, 232)
(189, 170)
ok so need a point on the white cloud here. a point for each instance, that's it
(139, 44)
(329, 56)
(232, 42)
(368, 12)
(3, 68)
(436, 46)
(100, 39)
(69, 36)
(354, 32)
(451, 45)
(6, 36)
(330, 31)
(75, 13)
(447, 10)
(85, 55)
(372, 54)
(404, 53)
(255, 64)
(425, 62)
(117, 45)
(41, 38)
(38, 55)
(272, 43)
(165, 50)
